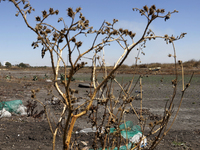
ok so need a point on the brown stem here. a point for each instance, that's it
(67, 142)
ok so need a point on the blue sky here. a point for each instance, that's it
(16, 38)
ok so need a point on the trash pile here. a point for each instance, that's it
(8, 107)
(128, 131)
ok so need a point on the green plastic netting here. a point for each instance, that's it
(11, 106)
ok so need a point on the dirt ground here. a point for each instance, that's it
(22, 132)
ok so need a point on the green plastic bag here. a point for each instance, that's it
(11, 106)
(128, 130)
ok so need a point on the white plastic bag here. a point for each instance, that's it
(88, 130)
(4, 113)
(22, 110)
(136, 139)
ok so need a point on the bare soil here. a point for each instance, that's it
(22, 132)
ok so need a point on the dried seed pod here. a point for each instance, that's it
(56, 12)
(166, 36)
(33, 44)
(173, 38)
(70, 12)
(187, 85)
(48, 31)
(80, 15)
(78, 44)
(125, 31)
(174, 82)
(55, 35)
(130, 33)
(26, 6)
(83, 18)
(43, 52)
(29, 11)
(146, 8)
(158, 10)
(44, 14)
(108, 23)
(73, 39)
(51, 11)
(78, 9)
(162, 11)
(86, 25)
(86, 21)
(120, 30)
(168, 16)
(60, 40)
(42, 32)
(17, 14)
(154, 7)
(151, 11)
(115, 20)
(115, 32)
(37, 18)
(179, 62)
(55, 39)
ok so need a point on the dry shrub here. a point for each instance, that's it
(101, 97)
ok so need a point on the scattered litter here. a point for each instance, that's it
(55, 100)
(15, 106)
(52, 101)
(48, 80)
(88, 130)
(136, 139)
(4, 113)
(85, 85)
(22, 110)
(131, 132)
(128, 131)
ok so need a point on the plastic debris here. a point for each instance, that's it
(4, 113)
(136, 139)
(22, 110)
(131, 132)
(48, 80)
(53, 101)
(88, 130)
(85, 85)
(15, 106)
(128, 131)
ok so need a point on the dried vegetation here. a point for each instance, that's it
(101, 98)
